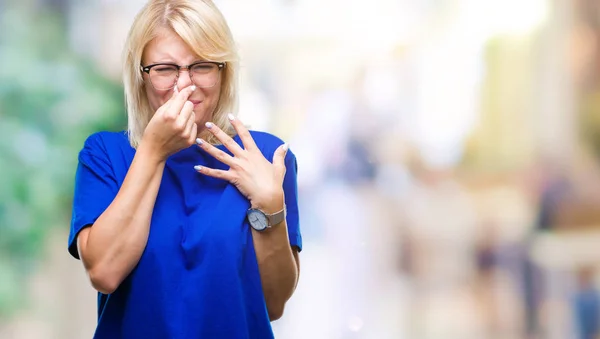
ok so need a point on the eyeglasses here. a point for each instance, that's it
(163, 76)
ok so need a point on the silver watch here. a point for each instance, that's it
(261, 221)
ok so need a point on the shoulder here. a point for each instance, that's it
(103, 144)
(106, 139)
(266, 142)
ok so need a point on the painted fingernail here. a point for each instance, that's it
(193, 88)
(198, 167)
(231, 117)
(209, 125)
(285, 147)
(199, 141)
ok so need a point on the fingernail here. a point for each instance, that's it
(230, 116)
(199, 141)
(209, 125)
(193, 88)
(197, 167)
(285, 147)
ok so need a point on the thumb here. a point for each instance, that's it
(279, 159)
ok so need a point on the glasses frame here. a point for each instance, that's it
(146, 69)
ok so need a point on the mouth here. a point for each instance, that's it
(196, 102)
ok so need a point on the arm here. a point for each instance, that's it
(279, 266)
(262, 183)
(113, 246)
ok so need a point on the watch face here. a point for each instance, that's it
(257, 220)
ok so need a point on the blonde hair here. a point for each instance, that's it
(203, 28)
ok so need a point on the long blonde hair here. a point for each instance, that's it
(203, 28)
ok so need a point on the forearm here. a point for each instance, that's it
(117, 239)
(278, 268)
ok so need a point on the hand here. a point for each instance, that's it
(173, 126)
(253, 175)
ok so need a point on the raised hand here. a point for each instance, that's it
(254, 176)
(173, 126)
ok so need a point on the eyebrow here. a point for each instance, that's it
(174, 63)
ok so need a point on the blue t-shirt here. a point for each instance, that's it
(198, 276)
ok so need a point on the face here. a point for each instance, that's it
(168, 47)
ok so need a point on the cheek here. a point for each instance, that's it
(210, 104)
(157, 98)
(214, 97)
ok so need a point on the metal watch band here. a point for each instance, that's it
(276, 217)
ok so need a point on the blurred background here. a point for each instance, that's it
(448, 159)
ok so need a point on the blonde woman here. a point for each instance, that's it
(187, 224)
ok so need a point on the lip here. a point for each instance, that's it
(196, 102)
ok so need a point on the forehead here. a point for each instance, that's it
(168, 46)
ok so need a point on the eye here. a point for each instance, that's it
(164, 69)
(203, 68)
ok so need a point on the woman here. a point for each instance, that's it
(185, 240)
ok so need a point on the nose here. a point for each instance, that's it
(184, 79)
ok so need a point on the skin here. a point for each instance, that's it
(113, 246)
(168, 47)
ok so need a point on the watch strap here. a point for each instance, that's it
(277, 217)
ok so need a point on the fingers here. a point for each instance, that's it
(183, 117)
(165, 107)
(188, 133)
(215, 173)
(216, 153)
(279, 160)
(193, 133)
(243, 132)
(225, 139)
(178, 100)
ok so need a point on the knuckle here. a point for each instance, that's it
(170, 117)
(179, 127)
(222, 156)
(246, 134)
(230, 143)
(235, 165)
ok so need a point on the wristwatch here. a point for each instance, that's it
(261, 221)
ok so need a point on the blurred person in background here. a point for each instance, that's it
(184, 240)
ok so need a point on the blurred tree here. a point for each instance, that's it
(50, 101)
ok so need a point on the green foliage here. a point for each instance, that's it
(50, 101)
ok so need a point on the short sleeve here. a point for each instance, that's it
(95, 188)
(290, 188)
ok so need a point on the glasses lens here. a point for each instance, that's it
(163, 76)
(205, 74)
